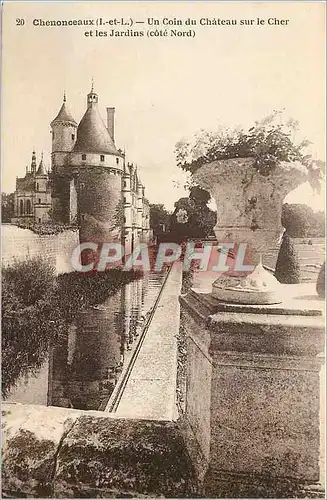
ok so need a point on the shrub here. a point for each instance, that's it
(30, 280)
(320, 286)
(287, 266)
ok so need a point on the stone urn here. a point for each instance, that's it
(249, 204)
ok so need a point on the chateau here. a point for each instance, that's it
(90, 181)
(32, 199)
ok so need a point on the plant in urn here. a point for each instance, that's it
(248, 174)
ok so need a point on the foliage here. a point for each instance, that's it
(47, 228)
(287, 266)
(159, 217)
(28, 318)
(30, 280)
(37, 309)
(269, 142)
(192, 217)
(119, 215)
(300, 221)
(321, 284)
(7, 207)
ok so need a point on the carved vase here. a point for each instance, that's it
(249, 204)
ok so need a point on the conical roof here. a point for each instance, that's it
(40, 170)
(64, 115)
(92, 135)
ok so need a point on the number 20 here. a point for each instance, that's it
(20, 22)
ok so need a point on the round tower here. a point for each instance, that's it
(97, 166)
(63, 130)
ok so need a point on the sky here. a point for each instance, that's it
(163, 89)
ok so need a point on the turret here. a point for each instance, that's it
(33, 163)
(63, 129)
(40, 170)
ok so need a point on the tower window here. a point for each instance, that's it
(125, 184)
(83, 157)
(53, 136)
(39, 200)
(101, 157)
(117, 161)
(73, 137)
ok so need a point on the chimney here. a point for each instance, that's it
(111, 123)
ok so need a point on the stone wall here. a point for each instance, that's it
(21, 244)
(61, 453)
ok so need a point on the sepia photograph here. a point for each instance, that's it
(163, 249)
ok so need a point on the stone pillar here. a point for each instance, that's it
(253, 398)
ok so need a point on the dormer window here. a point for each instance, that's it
(73, 137)
(117, 161)
(101, 157)
(83, 157)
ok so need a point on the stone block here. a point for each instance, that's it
(53, 452)
(30, 442)
(111, 458)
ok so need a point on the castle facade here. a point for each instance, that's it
(32, 198)
(90, 181)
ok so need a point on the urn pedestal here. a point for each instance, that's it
(255, 395)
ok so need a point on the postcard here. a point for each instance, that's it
(163, 249)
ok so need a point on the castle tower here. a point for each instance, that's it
(63, 129)
(42, 203)
(98, 168)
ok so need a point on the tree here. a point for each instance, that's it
(287, 266)
(7, 207)
(300, 221)
(159, 218)
(192, 218)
